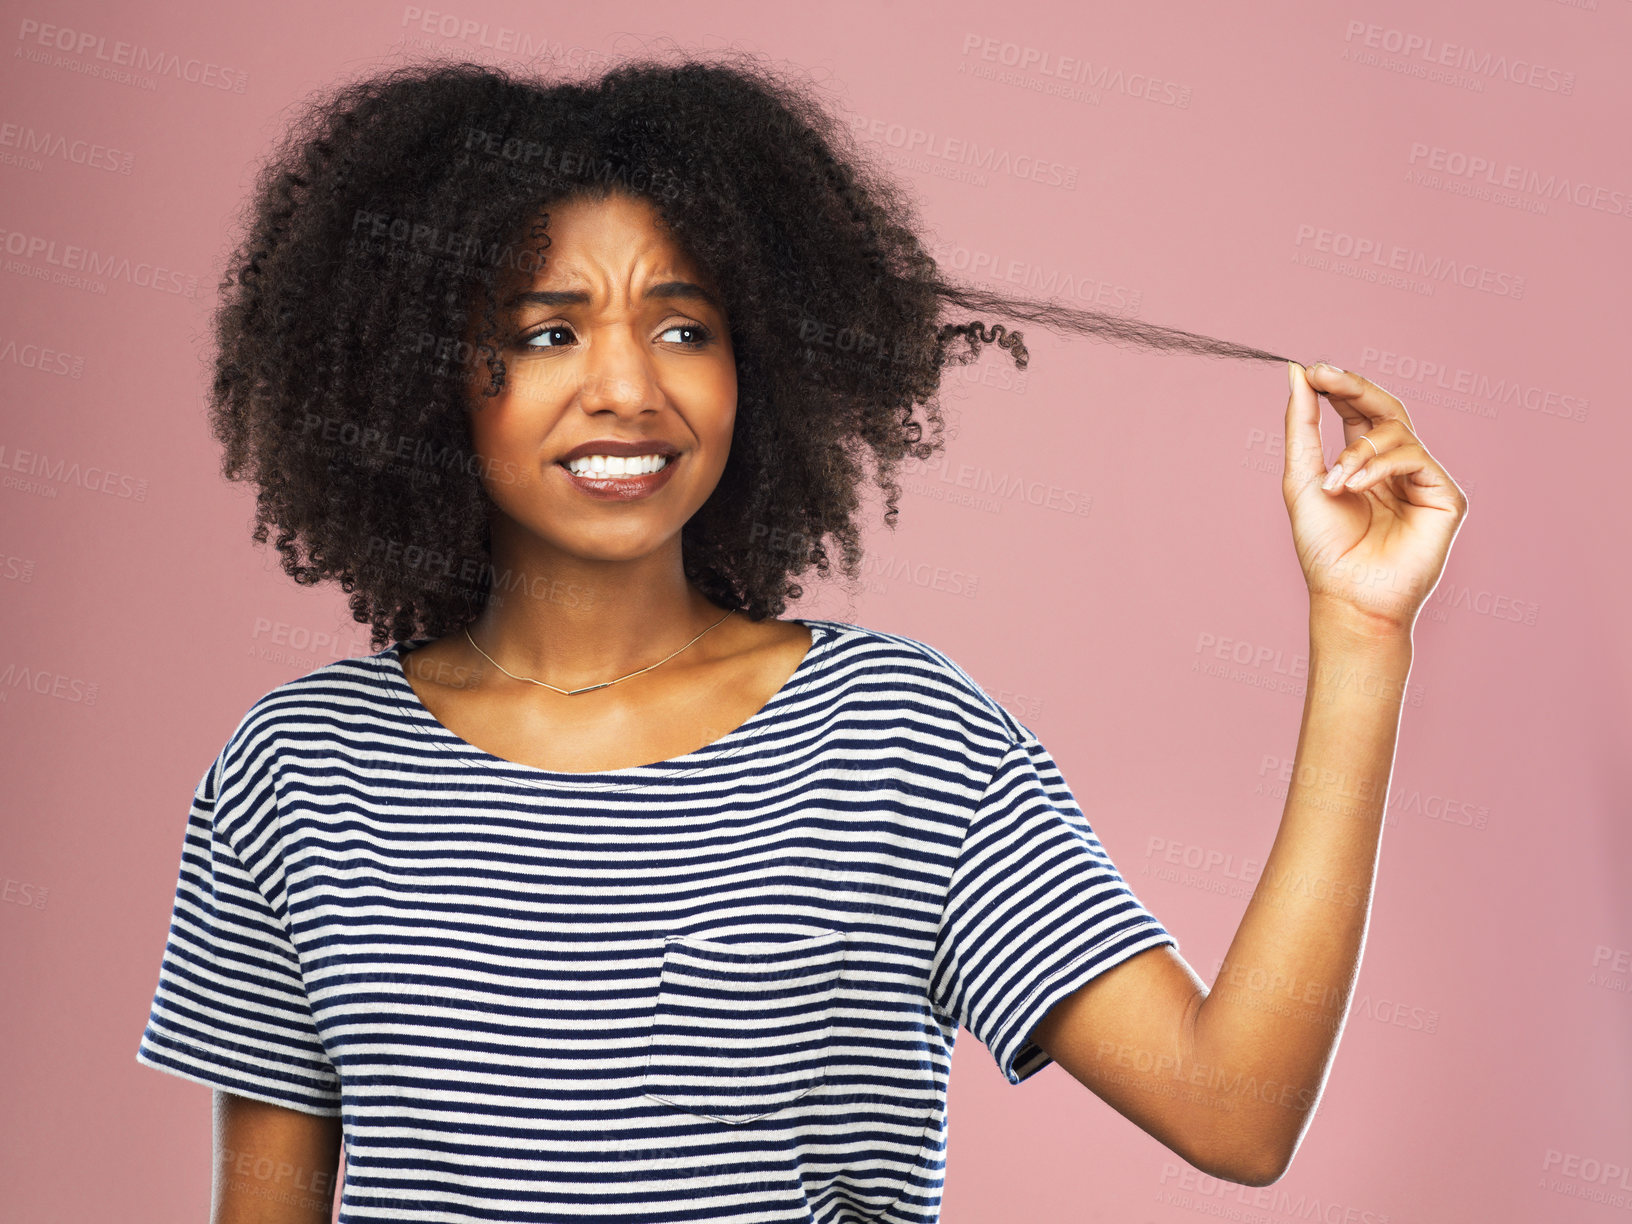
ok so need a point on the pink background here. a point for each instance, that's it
(1153, 643)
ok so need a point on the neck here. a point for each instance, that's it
(574, 622)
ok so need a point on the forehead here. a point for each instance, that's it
(615, 237)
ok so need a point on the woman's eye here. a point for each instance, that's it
(535, 340)
(700, 334)
(550, 337)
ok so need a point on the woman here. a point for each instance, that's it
(603, 889)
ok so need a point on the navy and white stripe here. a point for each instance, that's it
(722, 986)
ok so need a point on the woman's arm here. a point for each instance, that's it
(1282, 994)
(1229, 1078)
(272, 1165)
(1230, 1081)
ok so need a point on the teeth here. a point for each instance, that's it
(616, 465)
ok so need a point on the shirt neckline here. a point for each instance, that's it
(428, 727)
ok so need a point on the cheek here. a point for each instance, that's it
(501, 423)
(503, 446)
(725, 395)
(485, 438)
(721, 431)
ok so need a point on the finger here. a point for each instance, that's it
(1364, 449)
(1304, 463)
(1360, 402)
(1413, 475)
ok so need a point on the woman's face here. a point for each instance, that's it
(617, 339)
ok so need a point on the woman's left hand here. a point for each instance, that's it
(1372, 549)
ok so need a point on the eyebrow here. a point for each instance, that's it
(663, 289)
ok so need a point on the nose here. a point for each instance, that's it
(618, 375)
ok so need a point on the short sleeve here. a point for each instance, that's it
(231, 1009)
(1034, 909)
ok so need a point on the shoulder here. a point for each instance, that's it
(346, 693)
(929, 685)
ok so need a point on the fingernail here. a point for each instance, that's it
(1291, 376)
(1332, 368)
(1333, 478)
(1359, 475)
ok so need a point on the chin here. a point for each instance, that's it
(602, 545)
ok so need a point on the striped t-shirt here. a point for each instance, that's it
(723, 986)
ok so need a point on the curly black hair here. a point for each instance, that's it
(359, 314)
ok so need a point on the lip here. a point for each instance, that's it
(612, 446)
(621, 488)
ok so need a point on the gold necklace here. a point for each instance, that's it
(587, 688)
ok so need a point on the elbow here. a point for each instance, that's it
(1264, 1172)
(1255, 1151)
(1256, 1167)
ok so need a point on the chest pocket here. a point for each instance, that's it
(740, 1030)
